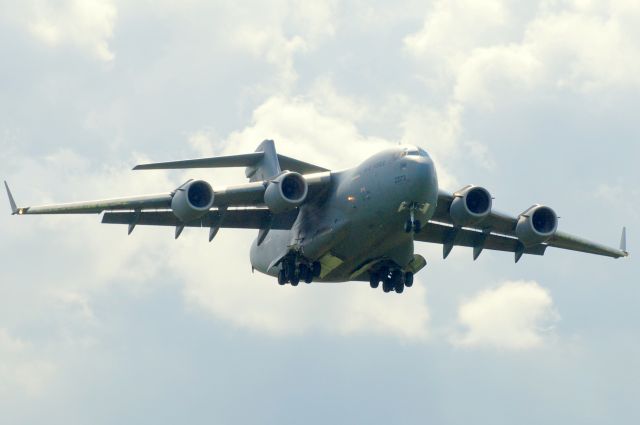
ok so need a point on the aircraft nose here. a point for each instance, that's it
(426, 180)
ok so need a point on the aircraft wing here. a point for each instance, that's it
(240, 206)
(242, 195)
(498, 232)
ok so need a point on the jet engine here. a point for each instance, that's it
(536, 225)
(470, 205)
(192, 200)
(286, 192)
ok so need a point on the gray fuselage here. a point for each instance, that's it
(359, 219)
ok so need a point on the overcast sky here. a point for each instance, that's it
(538, 102)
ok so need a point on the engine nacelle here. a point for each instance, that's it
(192, 200)
(536, 225)
(470, 205)
(286, 192)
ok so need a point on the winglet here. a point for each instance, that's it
(623, 241)
(14, 208)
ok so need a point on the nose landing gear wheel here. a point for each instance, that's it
(282, 278)
(412, 226)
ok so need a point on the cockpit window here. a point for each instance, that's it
(416, 152)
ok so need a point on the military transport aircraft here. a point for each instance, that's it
(357, 224)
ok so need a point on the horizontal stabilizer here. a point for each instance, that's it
(292, 164)
(243, 160)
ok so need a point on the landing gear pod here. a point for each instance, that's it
(286, 192)
(192, 200)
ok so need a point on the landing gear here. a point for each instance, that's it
(374, 280)
(316, 268)
(393, 279)
(305, 273)
(412, 225)
(397, 278)
(386, 284)
(408, 279)
(291, 272)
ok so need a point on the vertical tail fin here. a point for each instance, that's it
(268, 166)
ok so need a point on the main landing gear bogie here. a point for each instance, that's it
(392, 280)
(292, 272)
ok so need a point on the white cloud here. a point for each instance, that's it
(494, 73)
(477, 53)
(440, 133)
(452, 29)
(301, 130)
(516, 315)
(587, 49)
(92, 246)
(276, 34)
(20, 369)
(219, 282)
(87, 24)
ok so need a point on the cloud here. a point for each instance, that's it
(20, 369)
(301, 129)
(87, 24)
(276, 34)
(451, 30)
(516, 315)
(222, 286)
(478, 53)
(90, 245)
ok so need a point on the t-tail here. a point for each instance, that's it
(263, 164)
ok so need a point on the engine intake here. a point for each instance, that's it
(470, 205)
(192, 200)
(536, 225)
(286, 192)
